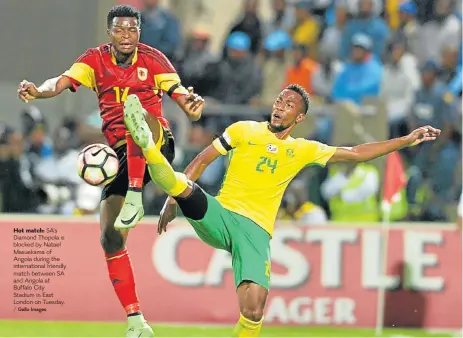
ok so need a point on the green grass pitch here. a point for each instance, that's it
(86, 329)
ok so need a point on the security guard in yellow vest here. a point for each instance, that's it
(352, 192)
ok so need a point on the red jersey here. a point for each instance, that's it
(149, 76)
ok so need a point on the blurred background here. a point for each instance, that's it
(374, 68)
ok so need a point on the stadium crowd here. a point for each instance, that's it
(405, 53)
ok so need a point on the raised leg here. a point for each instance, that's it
(159, 168)
(132, 210)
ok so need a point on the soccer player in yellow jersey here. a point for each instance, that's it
(264, 158)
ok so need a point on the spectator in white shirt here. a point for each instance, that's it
(401, 79)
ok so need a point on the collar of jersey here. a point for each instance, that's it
(267, 125)
(135, 57)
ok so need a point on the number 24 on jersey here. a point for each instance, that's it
(267, 163)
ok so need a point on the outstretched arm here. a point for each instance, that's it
(196, 167)
(369, 151)
(27, 91)
(80, 73)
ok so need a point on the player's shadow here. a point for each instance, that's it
(404, 307)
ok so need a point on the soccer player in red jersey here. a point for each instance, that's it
(124, 71)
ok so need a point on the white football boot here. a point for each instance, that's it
(138, 327)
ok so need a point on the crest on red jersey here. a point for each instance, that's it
(142, 74)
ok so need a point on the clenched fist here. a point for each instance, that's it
(27, 91)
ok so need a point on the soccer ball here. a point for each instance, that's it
(97, 164)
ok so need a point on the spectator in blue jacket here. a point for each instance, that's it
(160, 29)
(362, 76)
(238, 76)
(409, 28)
(434, 162)
(454, 87)
(450, 72)
(366, 23)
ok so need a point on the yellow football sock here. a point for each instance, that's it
(161, 172)
(247, 328)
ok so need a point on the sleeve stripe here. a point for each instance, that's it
(166, 81)
(224, 143)
(83, 74)
(217, 145)
(172, 89)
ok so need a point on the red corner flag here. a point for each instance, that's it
(394, 177)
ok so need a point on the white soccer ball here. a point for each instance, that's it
(97, 164)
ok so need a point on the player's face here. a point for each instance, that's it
(286, 111)
(125, 33)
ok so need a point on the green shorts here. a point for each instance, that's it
(247, 242)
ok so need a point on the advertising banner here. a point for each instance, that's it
(55, 269)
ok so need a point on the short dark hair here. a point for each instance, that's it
(301, 91)
(123, 11)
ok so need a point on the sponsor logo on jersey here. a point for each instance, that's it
(272, 148)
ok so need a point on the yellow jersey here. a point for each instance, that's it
(260, 168)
